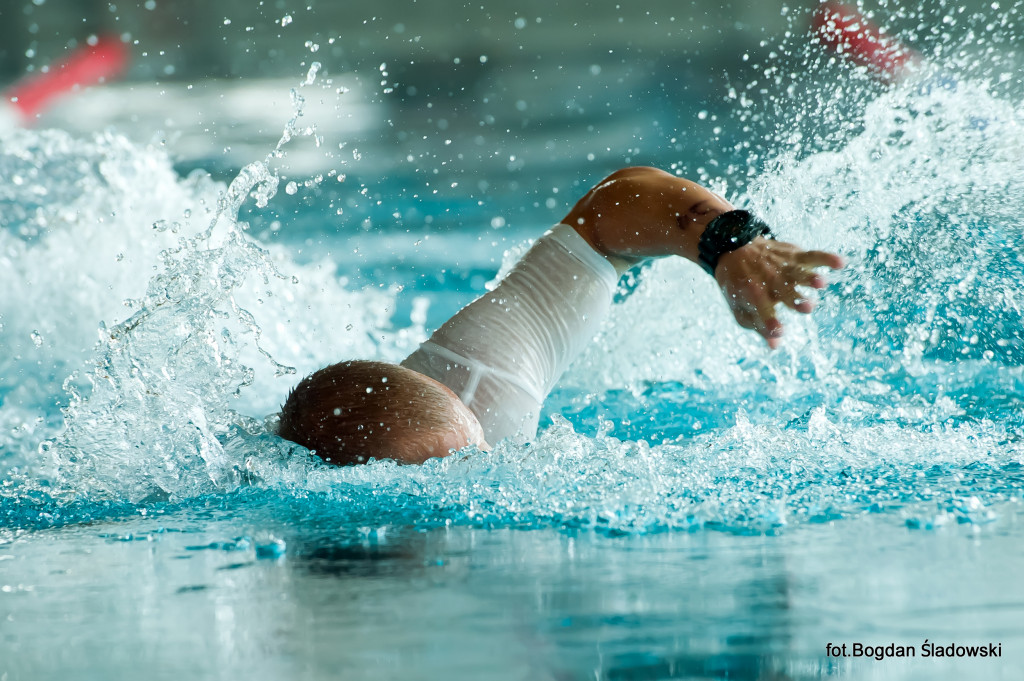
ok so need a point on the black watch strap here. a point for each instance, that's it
(726, 233)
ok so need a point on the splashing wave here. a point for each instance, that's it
(901, 395)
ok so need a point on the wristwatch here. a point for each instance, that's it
(726, 233)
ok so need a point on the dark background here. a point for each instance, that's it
(188, 39)
(455, 102)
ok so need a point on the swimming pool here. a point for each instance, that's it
(695, 507)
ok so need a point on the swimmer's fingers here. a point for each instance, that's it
(794, 299)
(770, 329)
(809, 278)
(758, 276)
(820, 259)
(796, 274)
(786, 289)
(755, 305)
(799, 266)
(745, 318)
(747, 277)
(765, 323)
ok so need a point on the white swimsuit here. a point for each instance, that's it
(502, 353)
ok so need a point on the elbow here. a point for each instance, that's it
(611, 200)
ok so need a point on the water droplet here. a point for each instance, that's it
(314, 68)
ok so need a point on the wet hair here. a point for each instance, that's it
(351, 411)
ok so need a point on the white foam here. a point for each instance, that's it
(180, 379)
(95, 222)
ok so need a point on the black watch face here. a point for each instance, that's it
(726, 233)
(737, 220)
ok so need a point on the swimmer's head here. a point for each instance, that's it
(351, 411)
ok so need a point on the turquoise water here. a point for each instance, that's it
(695, 507)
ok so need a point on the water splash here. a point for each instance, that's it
(924, 203)
(914, 356)
(62, 198)
(204, 345)
(902, 395)
(744, 478)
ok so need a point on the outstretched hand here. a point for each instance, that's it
(760, 275)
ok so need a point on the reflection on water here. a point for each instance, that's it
(394, 603)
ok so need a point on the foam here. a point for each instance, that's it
(897, 396)
(156, 373)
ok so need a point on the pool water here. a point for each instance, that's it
(694, 507)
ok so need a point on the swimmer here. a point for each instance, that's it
(484, 375)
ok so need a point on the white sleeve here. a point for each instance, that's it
(502, 353)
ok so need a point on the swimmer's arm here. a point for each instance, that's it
(639, 213)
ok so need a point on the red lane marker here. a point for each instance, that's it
(845, 30)
(89, 64)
